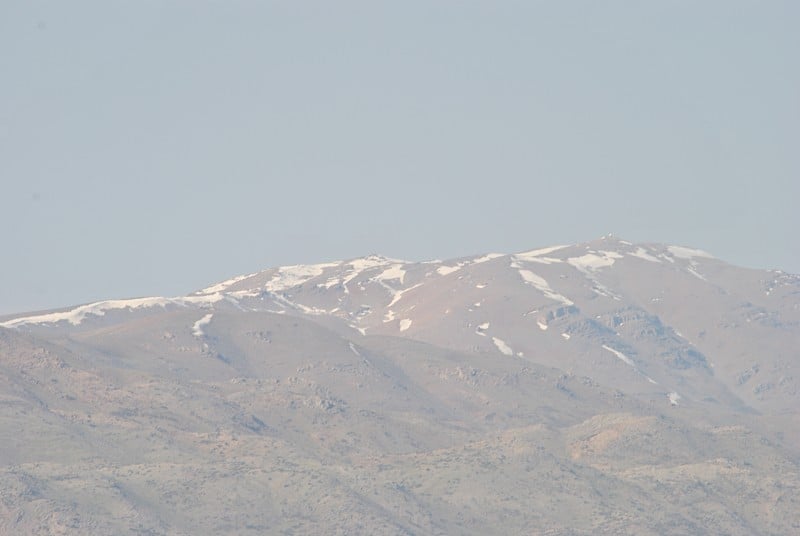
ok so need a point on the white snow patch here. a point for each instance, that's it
(219, 287)
(651, 380)
(502, 346)
(480, 285)
(197, 327)
(393, 272)
(643, 254)
(398, 294)
(447, 270)
(249, 293)
(359, 266)
(688, 253)
(332, 282)
(620, 355)
(487, 257)
(692, 269)
(526, 255)
(481, 330)
(388, 317)
(405, 324)
(673, 398)
(540, 260)
(284, 301)
(541, 285)
(354, 349)
(591, 262)
(566, 336)
(362, 331)
(603, 290)
(373, 261)
(541, 325)
(287, 277)
(79, 314)
(208, 299)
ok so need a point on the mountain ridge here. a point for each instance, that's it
(602, 387)
(372, 261)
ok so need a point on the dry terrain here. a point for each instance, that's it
(598, 388)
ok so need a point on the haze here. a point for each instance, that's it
(153, 148)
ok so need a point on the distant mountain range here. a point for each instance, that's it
(597, 388)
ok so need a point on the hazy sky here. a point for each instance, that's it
(154, 147)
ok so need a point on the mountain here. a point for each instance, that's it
(597, 388)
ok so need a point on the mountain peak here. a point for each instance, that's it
(597, 369)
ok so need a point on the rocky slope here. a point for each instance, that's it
(599, 388)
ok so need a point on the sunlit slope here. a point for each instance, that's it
(605, 387)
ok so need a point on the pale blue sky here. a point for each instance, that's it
(154, 147)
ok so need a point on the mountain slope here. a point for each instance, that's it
(605, 387)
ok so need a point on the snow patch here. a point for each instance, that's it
(620, 355)
(525, 255)
(362, 331)
(541, 325)
(332, 282)
(541, 285)
(405, 324)
(541, 260)
(197, 327)
(673, 398)
(692, 269)
(247, 293)
(688, 253)
(219, 287)
(502, 346)
(372, 261)
(398, 294)
(591, 262)
(643, 254)
(566, 336)
(358, 267)
(283, 300)
(79, 314)
(288, 277)
(447, 270)
(487, 257)
(393, 272)
(602, 290)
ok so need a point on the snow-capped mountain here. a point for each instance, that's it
(607, 309)
(625, 365)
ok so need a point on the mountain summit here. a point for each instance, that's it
(602, 387)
